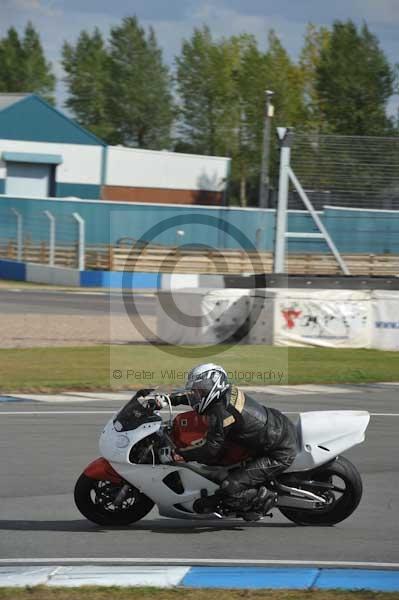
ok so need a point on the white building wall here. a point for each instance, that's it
(131, 167)
(80, 163)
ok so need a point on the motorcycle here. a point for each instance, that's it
(140, 467)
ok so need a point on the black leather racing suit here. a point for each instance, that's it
(267, 433)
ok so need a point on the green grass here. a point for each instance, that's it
(143, 365)
(92, 593)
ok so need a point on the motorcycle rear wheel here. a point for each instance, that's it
(338, 509)
(94, 499)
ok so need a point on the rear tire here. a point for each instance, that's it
(94, 498)
(340, 509)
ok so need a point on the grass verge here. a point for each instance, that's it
(144, 365)
(91, 593)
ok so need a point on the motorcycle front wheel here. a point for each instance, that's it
(343, 493)
(95, 500)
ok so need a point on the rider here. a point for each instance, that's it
(233, 415)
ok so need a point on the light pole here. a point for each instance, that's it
(264, 183)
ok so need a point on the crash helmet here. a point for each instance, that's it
(208, 387)
(202, 368)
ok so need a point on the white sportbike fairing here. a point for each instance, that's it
(307, 491)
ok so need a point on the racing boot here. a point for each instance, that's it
(240, 501)
(261, 505)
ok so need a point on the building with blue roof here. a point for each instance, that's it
(43, 153)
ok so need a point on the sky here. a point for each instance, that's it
(174, 20)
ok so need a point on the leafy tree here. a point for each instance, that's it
(316, 40)
(139, 93)
(199, 69)
(12, 77)
(250, 77)
(23, 66)
(273, 70)
(354, 82)
(284, 78)
(87, 76)
(210, 82)
(221, 87)
(37, 71)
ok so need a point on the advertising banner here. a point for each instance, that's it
(330, 318)
(385, 320)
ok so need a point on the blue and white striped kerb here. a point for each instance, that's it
(305, 578)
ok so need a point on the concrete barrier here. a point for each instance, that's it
(11, 269)
(52, 275)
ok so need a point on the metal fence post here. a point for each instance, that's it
(51, 219)
(82, 242)
(19, 234)
(283, 188)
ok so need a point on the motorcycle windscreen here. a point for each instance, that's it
(132, 415)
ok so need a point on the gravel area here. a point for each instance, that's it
(39, 330)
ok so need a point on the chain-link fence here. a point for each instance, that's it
(349, 188)
(350, 171)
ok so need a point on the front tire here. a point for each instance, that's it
(94, 499)
(340, 506)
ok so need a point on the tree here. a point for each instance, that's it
(221, 86)
(273, 70)
(23, 66)
(284, 78)
(250, 78)
(199, 69)
(354, 82)
(139, 93)
(211, 82)
(87, 77)
(316, 40)
(12, 76)
(38, 75)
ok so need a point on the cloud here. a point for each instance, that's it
(28, 7)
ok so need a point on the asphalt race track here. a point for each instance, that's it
(69, 303)
(43, 453)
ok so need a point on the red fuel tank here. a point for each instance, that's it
(190, 428)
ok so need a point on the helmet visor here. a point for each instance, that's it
(195, 397)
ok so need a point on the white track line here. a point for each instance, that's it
(197, 561)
